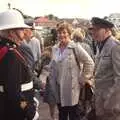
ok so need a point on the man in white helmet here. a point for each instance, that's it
(16, 70)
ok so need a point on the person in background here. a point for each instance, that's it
(48, 96)
(78, 36)
(33, 43)
(16, 70)
(36, 32)
(117, 35)
(38, 35)
(54, 35)
(90, 40)
(65, 78)
(107, 70)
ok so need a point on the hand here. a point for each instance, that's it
(88, 84)
(23, 104)
(82, 84)
(43, 86)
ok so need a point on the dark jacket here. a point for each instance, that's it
(16, 69)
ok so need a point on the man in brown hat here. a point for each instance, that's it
(107, 70)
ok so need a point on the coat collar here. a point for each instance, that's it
(108, 45)
(70, 45)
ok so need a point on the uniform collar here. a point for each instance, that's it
(7, 42)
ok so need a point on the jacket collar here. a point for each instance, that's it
(70, 45)
(108, 45)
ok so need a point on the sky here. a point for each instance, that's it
(64, 8)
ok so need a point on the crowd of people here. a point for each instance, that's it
(79, 74)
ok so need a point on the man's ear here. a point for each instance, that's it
(108, 32)
(108, 29)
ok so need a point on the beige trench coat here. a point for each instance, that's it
(65, 74)
(107, 77)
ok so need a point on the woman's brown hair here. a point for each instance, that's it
(64, 25)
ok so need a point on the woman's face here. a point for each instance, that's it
(63, 36)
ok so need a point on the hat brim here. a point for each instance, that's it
(14, 26)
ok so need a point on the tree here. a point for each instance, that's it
(105, 17)
(51, 17)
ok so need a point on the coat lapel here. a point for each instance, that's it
(103, 52)
(106, 49)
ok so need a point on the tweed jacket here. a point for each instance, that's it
(107, 77)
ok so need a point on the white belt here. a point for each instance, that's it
(1, 88)
(27, 86)
(24, 87)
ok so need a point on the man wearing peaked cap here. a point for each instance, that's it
(107, 70)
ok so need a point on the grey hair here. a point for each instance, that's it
(4, 33)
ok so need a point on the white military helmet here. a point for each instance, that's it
(12, 19)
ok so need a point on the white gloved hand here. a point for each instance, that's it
(36, 116)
